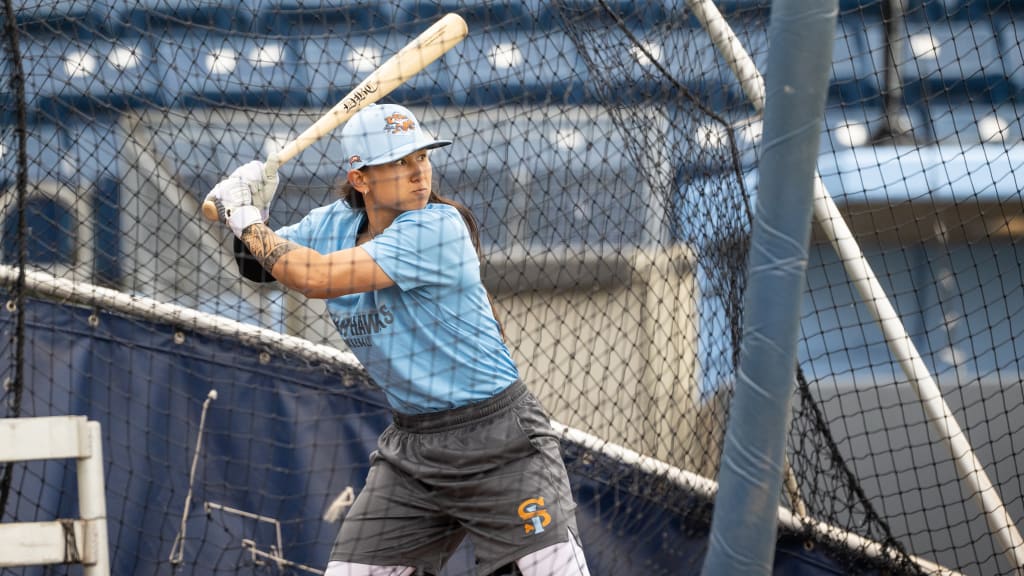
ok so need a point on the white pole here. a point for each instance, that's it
(942, 419)
(92, 503)
(972, 473)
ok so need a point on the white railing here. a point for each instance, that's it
(65, 541)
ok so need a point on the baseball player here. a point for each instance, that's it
(471, 452)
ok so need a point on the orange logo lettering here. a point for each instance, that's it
(533, 513)
(398, 123)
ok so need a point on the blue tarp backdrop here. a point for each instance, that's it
(281, 442)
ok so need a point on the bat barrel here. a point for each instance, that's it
(430, 45)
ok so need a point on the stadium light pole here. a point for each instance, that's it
(745, 520)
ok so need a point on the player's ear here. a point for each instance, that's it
(357, 179)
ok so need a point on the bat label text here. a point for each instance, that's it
(361, 93)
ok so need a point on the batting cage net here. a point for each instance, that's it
(609, 152)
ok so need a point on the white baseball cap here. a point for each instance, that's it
(383, 133)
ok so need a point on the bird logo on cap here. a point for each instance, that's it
(398, 123)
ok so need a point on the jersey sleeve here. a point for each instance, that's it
(425, 247)
(300, 232)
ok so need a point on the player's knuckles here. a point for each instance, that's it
(250, 171)
(254, 176)
(236, 192)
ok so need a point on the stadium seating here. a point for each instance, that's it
(200, 67)
(481, 16)
(72, 18)
(89, 76)
(340, 43)
(286, 52)
(337, 64)
(160, 16)
(631, 14)
(502, 66)
(338, 17)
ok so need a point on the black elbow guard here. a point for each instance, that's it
(248, 266)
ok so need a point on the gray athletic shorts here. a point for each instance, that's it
(492, 471)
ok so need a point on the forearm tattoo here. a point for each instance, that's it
(266, 247)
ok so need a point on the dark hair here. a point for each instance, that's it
(355, 200)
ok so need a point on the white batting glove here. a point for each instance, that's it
(233, 199)
(254, 174)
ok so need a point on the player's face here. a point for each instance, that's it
(401, 185)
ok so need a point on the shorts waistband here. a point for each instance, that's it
(437, 421)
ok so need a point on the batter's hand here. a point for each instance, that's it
(233, 199)
(263, 188)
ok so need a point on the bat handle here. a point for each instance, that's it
(210, 211)
(270, 168)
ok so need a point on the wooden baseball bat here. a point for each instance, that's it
(441, 37)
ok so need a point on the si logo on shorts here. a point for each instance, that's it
(532, 512)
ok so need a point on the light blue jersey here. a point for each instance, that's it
(431, 341)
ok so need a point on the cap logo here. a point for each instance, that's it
(398, 123)
(353, 159)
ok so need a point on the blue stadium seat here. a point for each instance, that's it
(89, 76)
(338, 64)
(71, 18)
(606, 13)
(161, 16)
(953, 58)
(211, 68)
(481, 16)
(315, 17)
(503, 67)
